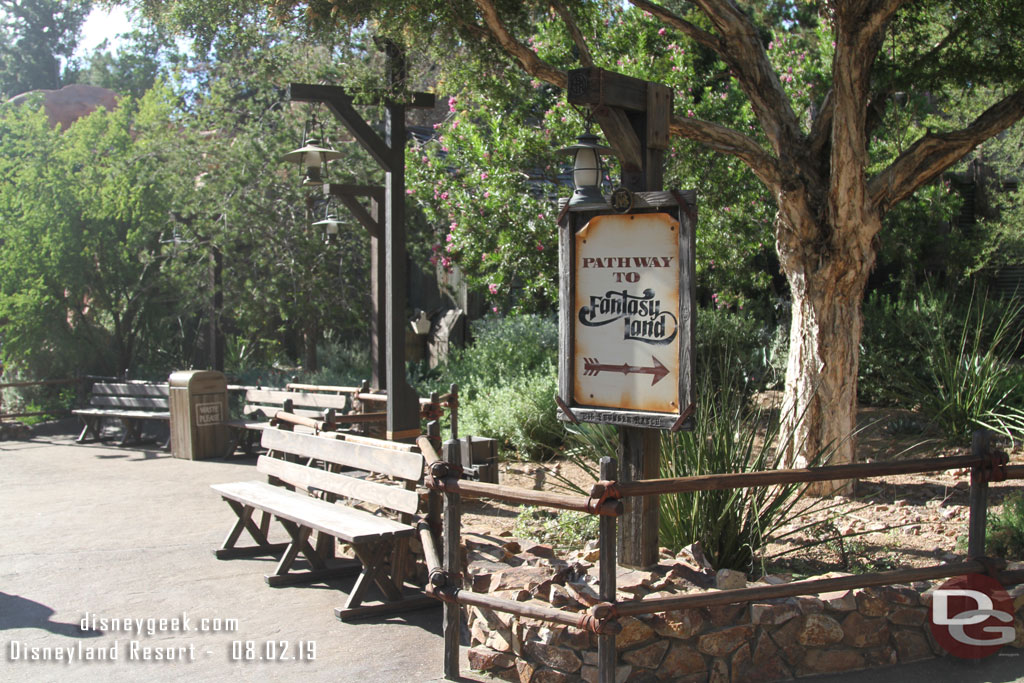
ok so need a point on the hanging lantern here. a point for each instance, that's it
(312, 157)
(587, 171)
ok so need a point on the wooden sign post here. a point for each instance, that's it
(388, 150)
(626, 299)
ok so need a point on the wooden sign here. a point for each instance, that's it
(627, 317)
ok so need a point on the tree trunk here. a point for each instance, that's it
(820, 404)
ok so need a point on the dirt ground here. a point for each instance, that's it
(888, 523)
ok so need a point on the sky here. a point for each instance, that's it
(103, 24)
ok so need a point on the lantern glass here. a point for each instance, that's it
(586, 170)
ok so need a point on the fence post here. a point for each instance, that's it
(607, 658)
(452, 561)
(981, 442)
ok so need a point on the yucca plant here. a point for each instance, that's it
(973, 376)
(732, 434)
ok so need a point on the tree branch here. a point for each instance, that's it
(586, 59)
(692, 32)
(526, 57)
(727, 141)
(932, 154)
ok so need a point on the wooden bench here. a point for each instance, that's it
(305, 504)
(133, 403)
(262, 405)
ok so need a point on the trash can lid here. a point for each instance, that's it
(190, 378)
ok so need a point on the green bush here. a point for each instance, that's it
(503, 351)
(1004, 535)
(757, 354)
(520, 414)
(973, 376)
(562, 529)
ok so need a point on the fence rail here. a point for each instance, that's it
(985, 462)
(36, 383)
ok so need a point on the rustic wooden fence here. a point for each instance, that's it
(445, 573)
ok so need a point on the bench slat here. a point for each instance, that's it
(130, 414)
(345, 523)
(391, 497)
(394, 463)
(129, 402)
(298, 398)
(130, 389)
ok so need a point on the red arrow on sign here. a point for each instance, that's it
(591, 367)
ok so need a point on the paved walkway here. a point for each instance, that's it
(97, 531)
(127, 534)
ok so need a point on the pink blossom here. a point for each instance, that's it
(433, 260)
(492, 288)
(486, 194)
(445, 261)
(452, 101)
(483, 175)
(410, 192)
(453, 226)
(494, 309)
(483, 257)
(444, 195)
(449, 238)
(540, 247)
(661, 31)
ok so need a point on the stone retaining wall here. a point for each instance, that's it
(764, 641)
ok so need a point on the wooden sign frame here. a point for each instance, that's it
(682, 207)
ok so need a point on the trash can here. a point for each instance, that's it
(199, 409)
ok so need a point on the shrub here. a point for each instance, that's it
(562, 529)
(1004, 535)
(520, 414)
(972, 374)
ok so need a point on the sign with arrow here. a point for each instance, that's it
(626, 313)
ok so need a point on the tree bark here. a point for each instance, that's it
(820, 401)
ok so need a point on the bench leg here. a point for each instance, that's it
(92, 425)
(258, 533)
(300, 544)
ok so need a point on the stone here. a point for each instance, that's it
(819, 630)
(878, 657)
(500, 640)
(859, 631)
(730, 579)
(558, 596)
(681, 659)
(648, 656)
(908, 616)
(840, 601)
(721, 643)
(785, 637)
(830, 661)
(552, 656)
(870, 604)
(520, 595)
(583, 593)
(634, 581)
(684, 623)
(729, 615)
(589, 674)
(911, 646)
(538, 549)
(633, 633)
(897, 595)
(719, 672)
(773, 613)
(550, 676)
(576, 638)
(767, 660)
(525, 670)
(484, 659)
(533, 579)
(742, 667)
(809, 604)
